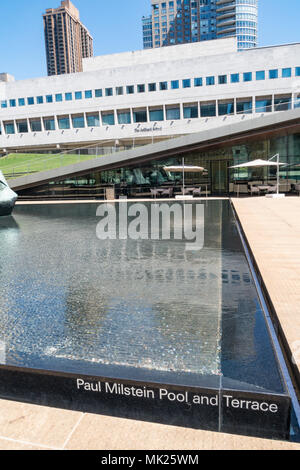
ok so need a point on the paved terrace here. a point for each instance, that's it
(272, 228)
(28, 427)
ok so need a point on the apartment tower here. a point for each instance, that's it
(67, 40)
(183, 21)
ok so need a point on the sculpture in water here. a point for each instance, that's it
(7, 197)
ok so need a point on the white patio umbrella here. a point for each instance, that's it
(256, 163)
(263, 163)
(183, 169)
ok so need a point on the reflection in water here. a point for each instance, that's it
(146, 304)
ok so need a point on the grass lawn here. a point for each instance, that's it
(17, 164)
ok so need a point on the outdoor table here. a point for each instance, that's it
(189, 190)
(263, 188)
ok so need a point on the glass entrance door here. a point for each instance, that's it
(219, 177)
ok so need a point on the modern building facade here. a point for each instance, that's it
(67, 40)
(128, 100)
(148, 95)
(143, 171)
(185, 21)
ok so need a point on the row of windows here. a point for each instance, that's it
(151, 87)
(152, 114)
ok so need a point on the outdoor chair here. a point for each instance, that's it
(154, 193)
(167, 192)
(272, 189)
(197, 192)
(284, 186)
(297, 188)
(254, 190)
(188, 191)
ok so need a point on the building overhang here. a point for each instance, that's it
(264, 125)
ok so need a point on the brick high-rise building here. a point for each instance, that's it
(67, 40)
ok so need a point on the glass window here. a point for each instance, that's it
(68, 96)
(78, 95)
(9, 128)
(175, 84)
(226, 108)
(208, 109)
(173, 114)
(40, 99)
(286, 73)
(124, 117)
(297, 71)
(119, 91)
(108, 92)
(156, 115)
(163, 86)
(22, 127)
(190, 112)
(260, 75)
(247, 76)
(4, 104)
(58, 97)
(297, 101)
(63, 122)
(141, 88)
(49, 99)
(222, 79)
(140, 116)
(78, 121)
(93, 120)
(49, 124)
(98, 93)
(198, 81)
(186, 83)
(263, 105)
(108, 119)
(130, 89)
(30, 100)
(88, 94)
(21, 101)
(35, 125)
(210, 81)
(273, 73)
(283, 104)
(235, 78)
(152, 87)
(244, 107)
(12, 103)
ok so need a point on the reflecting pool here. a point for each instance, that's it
(130, 308)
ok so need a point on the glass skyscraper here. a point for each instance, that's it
(184, 21)
(147, 32)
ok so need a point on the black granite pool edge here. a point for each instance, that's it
(284, 355)
(230, 411)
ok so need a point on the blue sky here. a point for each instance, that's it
(115, 26)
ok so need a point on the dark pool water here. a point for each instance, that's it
(70, 301)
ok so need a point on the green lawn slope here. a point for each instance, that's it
(18, 164)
